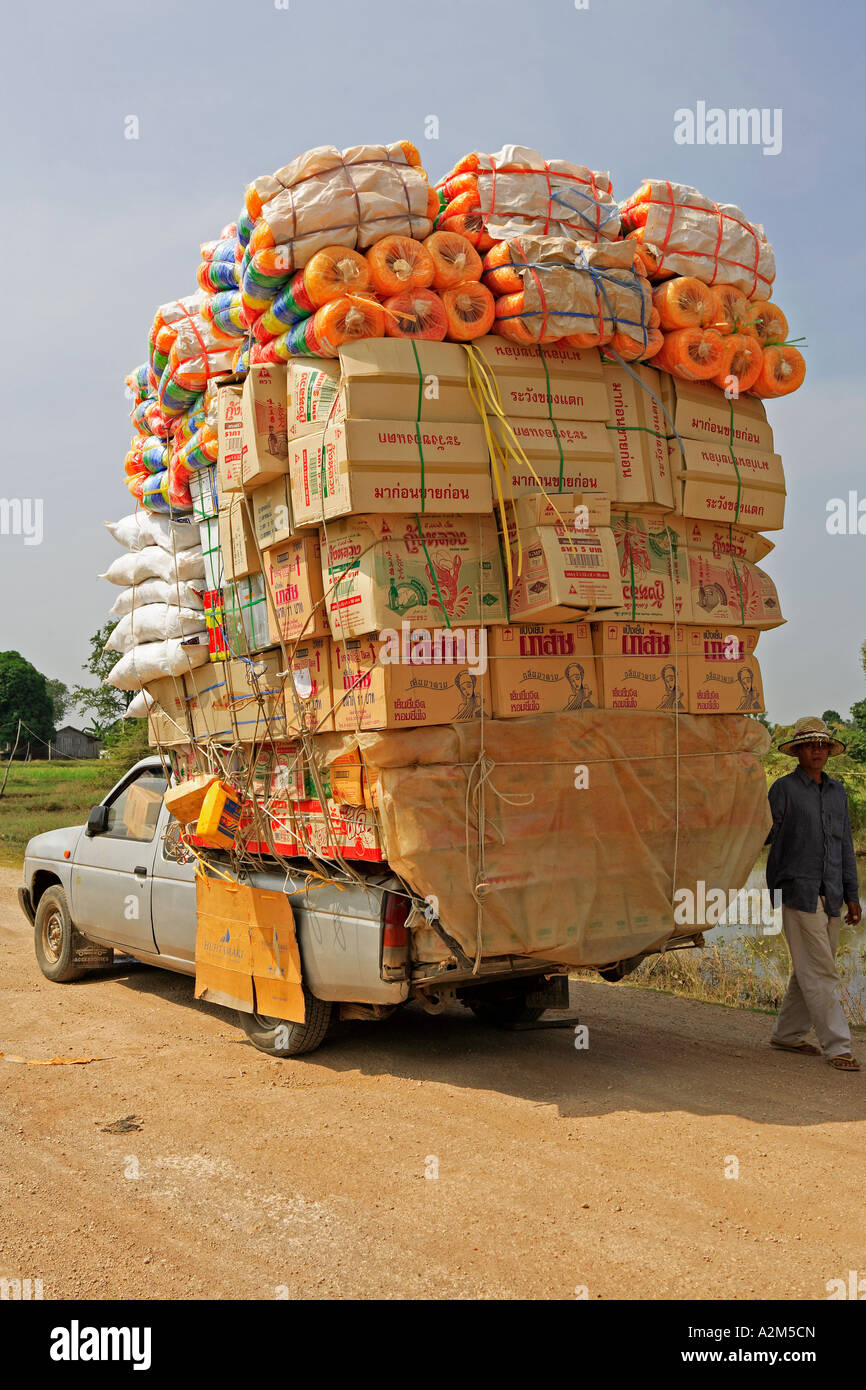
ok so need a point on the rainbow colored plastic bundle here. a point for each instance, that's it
(199, 353)
(166, 322)
(290, 306)
(225, 310)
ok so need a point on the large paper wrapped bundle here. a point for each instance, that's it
(515, 191)
(680, 232)
(199, 353)
(347, 197)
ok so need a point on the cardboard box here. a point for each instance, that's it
(256, 697)
(272, 513)
(350, 830)
(313, 396)
(229, 439)
(246, 615)
(541, 668)
(386, 571)
(204, 493)
(723, 672)
(559, 567)
(168, 718)
(294, 579)
(390, 466)
(237, 541)
(642, 665)
(309, 694)
(556, 380)
(720, 538)
(384, 379)
(564, 456)
(373, 695)
(652, 567)
(711, 490)
(209, 700)
(704, 412)
(352, 782)
(211, 549)
(638, 432)
(246, 951)
(265, 441)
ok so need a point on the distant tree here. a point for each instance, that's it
(61, 700)
(832, 716)
(104, 704)
(24, 695)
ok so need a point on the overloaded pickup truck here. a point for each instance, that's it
(118, 885)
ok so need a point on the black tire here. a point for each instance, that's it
(54, 938)
(506, 1013)
(265, 1033)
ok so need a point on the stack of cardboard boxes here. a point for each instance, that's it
(414, 534)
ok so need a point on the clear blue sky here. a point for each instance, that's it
(100, 229)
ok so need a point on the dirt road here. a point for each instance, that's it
(558, 1169)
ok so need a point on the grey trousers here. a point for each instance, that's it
(813, 990)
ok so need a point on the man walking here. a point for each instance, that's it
(812, 862)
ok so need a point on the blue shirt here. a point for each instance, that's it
(811, 843)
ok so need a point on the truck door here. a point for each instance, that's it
(173, 904)
(111, 877)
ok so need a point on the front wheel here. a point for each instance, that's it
(280, 1038)
(54, 938)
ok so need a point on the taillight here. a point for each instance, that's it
(397, 907)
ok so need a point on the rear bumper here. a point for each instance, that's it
(26, 905)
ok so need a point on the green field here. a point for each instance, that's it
(44, 795)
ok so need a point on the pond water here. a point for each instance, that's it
(764, 950)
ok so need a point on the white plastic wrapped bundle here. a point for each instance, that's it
(142, 528)
(179, 594)
(155, 563)
(155, 622)
(153, 660)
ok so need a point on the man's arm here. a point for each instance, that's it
(850, 886)
(778, 805)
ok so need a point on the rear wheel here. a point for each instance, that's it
(280, 1038)
(54, 938)
(506, 1013)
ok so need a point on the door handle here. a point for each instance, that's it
(140, 870)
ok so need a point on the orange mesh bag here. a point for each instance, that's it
(684, 303)
(327, 197)
(783, 370)
(455, 260)
(694, 354)
(768, 324)
(691, 235)
(415, 314)
(744, 359)
(499, 276)
(732, 311)
(471, 226)
(469, 309)
(398, 263)
(630, 351)
(518, 192)
(508, 319)
(345, 320)
(335, 271)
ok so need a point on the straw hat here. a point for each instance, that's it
(810, 730)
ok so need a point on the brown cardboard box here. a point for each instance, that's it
(294, 576)
(704, 412)
(563, 456)
(209, 697)
(390, 466)
(313, 395)
(725, 588)
(256, 697)
(246, 951)
(539, 668)
(383, 379)
(723, 672)
(237, 541)
(643, 665)
(652, 568)
(373, 695)
(721, 538)
(229, 440)
(309, 696)
(383, 571)
(272, 512)
(168, 718)
(265, 441)
(710, 488)
(560, 567)
(562, 381)
(638, 431)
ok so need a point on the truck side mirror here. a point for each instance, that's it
(97, 821)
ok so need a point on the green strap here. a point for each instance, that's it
(433, 571)
(736, 573)
(418, 433)
(644, 429)
(552, 421)
(734, 462)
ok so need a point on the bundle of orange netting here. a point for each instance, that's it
(550, 289)
(680, 232)
(713, 333)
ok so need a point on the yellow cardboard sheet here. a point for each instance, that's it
(246, 952)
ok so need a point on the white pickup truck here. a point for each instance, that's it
(118, 885)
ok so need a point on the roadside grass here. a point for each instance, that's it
(45, 795)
